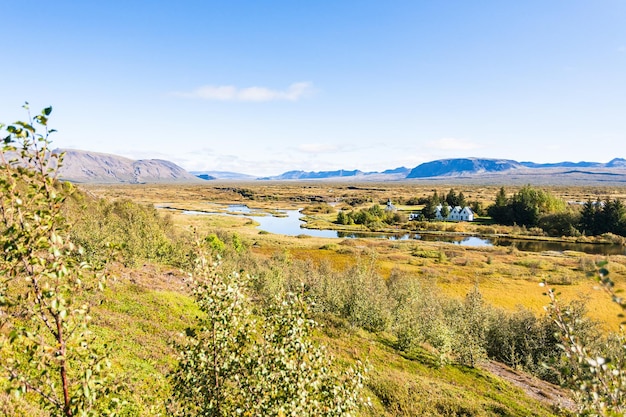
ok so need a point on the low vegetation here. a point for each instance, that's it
(594, 367)
(225, 322)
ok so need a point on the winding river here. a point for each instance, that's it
(289, 223)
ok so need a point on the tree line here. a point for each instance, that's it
(531, 207)
(374, 217)
(448, 202)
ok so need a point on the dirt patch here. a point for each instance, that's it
(534, 387)
(151, 277)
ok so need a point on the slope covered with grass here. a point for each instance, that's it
(141, 321)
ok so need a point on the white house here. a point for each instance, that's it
(457, 214)
(415, 216)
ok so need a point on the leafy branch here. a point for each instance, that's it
(595, 371)
(47, 351)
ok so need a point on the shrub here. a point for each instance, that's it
(595, 367)
(47, 351)
(226, 367)
(132, 232)
(470, 326)
(366, 303)
(523, 340)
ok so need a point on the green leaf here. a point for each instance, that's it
(42, 120)
(26, 126)
(13, 335)
(47, 111)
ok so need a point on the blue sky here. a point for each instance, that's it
(262, 87)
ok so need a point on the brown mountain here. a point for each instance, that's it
(94, 167)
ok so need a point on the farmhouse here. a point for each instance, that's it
(456, 214)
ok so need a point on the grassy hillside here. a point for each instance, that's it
(147, 308)
(428, 319)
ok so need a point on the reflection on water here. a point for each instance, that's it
(540, 246)
(286, 223)
(238, 208)
(474, 241)
(289, 223)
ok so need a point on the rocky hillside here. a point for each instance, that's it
(94, 167)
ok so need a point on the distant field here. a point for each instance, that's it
(293, 194)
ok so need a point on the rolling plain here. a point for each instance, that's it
(507, 277)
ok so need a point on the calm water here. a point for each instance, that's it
(289, 224)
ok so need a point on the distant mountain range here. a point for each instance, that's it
(390, 174)
(93, 167)
(483, 169)
(614, 163)
(462, 167)
(222, 175)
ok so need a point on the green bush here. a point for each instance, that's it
(523, 340)
(267, 365)
(594, 366)
(132, 232)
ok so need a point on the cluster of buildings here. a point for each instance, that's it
(455, 214)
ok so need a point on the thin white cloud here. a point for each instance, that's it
(328, 148)
(621, 48)
(317, 148)
(453, 144)
(294, 92)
